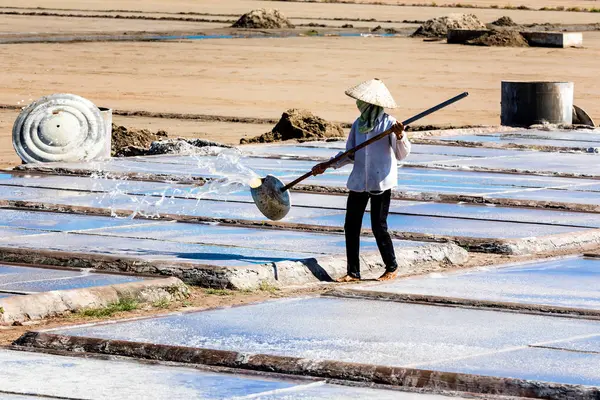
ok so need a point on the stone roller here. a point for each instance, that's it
(272, 197)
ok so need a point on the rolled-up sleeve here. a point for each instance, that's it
(401, 147)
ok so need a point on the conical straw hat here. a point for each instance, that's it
(373, 92)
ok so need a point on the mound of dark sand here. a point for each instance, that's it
(300, 125)
(123, 137)
(127, 142)
(504, 21)
(379, 29)
(438, 27)
(263, 19)
(170, 146)
(501, 38)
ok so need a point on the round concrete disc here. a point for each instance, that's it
(270, 200)
(59, 127)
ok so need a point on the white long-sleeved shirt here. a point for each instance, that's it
(375, 166)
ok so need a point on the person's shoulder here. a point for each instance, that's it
(389, 118)
(387, 121)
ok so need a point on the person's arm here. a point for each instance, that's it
(350, 143)
(399, 141)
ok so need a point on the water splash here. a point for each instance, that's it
(231, 176)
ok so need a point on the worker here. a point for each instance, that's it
(374, 174)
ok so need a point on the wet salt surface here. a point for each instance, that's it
(567, 282)
(443, 225)
(157, 205)
(75, 377)
(566, 163)
(172, 241)
(373, 332)
(409, 179)
(247, 237)
(559, 138)
(157, 250)
(43, 221)
(450, 226)
(6, 233)
(530, 363)
(494, 159)
(162, 201)
(419, 152)
(28, 279)
(590, 344)
(582, 138)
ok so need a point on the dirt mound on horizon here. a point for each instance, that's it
(504, 21)
(263, 19)
(500, 38)
(438, 27)
(123, 137)
(300, 125)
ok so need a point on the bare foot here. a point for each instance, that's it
(347, 278)
(388, 276)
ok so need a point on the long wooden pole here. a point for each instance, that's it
(376, 138)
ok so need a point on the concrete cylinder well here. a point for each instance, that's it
(528, 103)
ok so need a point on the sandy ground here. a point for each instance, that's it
(303, 10)
(535, 4)
(264, 77)
(30, 24)
(25, 24)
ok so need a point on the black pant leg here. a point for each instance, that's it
(355, 211)
(380, 207)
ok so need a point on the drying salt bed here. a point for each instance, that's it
(476, 158)
(427, 219)
(427, 178)
(41, 375)
(311, 209)
(32, 222)
(169, 240)
(383, 333)
(115, 193)
(586, 139)
(26, 279)
(210, 254)
(419, 152)
(572, 282)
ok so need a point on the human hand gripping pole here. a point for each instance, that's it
(271, 196)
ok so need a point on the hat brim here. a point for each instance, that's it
(374, 92)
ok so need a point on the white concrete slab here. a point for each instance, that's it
(567, 282)
(40, 375)
(383, 333)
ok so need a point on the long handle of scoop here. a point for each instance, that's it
(378, 137)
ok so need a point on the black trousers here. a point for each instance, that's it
(355, 211)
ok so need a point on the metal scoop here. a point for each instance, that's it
(272, 196)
